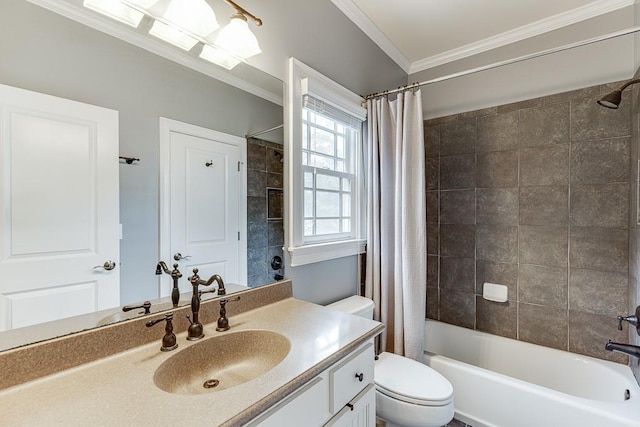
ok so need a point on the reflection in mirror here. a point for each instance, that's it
(60, 57)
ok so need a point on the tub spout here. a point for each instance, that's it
(631, 350)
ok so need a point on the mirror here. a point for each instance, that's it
(60, 57)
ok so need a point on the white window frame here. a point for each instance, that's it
(305, 80)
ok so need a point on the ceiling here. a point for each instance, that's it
(421, 34)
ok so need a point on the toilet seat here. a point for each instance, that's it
(410, 381)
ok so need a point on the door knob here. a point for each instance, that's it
(178, 256)
(108, 265)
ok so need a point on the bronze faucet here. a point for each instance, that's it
(175, 275)
(223, 322)
(146, 305)
(169, 340)
(214, 278)
(195, 330)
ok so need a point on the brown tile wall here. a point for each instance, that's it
(265, 231)
(534, 195)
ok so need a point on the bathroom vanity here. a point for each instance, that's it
(296, 363)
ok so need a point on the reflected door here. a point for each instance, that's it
(205, 190)
(59, 241)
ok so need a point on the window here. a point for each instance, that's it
(326, 184)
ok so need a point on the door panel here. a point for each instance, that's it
(58, 208)
(205, 203)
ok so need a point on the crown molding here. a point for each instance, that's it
(86, 17)
(537, 28)
(370, 29)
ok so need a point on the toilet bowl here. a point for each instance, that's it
(408, 393)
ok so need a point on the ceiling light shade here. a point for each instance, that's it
(195, 16)
(117, 10)
(237, 39)
(172, 35)
(219, 57)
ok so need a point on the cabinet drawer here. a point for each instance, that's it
(350, 377)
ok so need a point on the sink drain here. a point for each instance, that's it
(210, 383)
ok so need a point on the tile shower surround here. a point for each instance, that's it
(533, 195)
(265, 236)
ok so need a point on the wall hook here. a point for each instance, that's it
(209, 163)
(128, 160)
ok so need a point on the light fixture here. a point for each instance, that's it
(612, 100)
(184, 23)
(117, 10)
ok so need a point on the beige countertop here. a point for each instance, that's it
(119, 390)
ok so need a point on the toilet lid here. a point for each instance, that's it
(411, 381)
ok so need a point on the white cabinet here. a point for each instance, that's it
(359, 412)
(341, 396)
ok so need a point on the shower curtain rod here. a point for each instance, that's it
(508, 62)
(264, 131)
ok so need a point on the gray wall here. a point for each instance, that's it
(533, 195)
(47, 53)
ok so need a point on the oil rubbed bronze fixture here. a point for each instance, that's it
(223, 321)
(175, 275)
(169, 341)
(612, 100)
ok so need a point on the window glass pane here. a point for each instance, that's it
(321, 161)
(339, 128)
(305, 136)
(322, 141)
(327, 226)
(308, 179)
(308, 227)
(327, 204)
(327, 182)
(305, 158)
(346, 205)
(346, 225)
(339, 166)
(340, 147)
(323, 121)
(346, 185)
(305, 114)
(308, 203)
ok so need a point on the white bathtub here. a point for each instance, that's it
(500, 382)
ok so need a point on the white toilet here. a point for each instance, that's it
(408, 393)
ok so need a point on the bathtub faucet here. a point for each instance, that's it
(631, 350)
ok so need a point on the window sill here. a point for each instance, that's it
(309, 254)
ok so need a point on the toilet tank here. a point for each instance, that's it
(360, 306)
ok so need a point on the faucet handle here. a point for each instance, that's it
(633, 319)
(146, 305)
(169, 341)
(223, 321)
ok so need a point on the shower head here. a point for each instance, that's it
(612, 100)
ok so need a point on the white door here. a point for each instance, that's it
(203, 203)
(58, 208)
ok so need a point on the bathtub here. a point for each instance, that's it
(500, 382)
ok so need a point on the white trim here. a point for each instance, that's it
(533, 29)
(363, 22)
(300, 253)
(335, 95)
(166, 127)
(325, 251)
(542, 26)
(132, 36)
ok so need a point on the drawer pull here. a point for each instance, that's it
(360, 376)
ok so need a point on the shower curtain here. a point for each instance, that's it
(396, 272)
